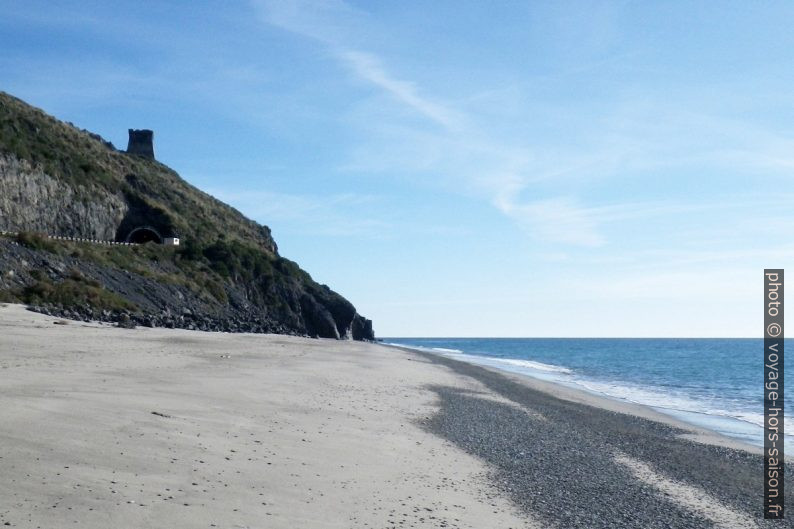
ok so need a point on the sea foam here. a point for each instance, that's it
(708, 383)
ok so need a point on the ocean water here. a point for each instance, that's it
(711, 383)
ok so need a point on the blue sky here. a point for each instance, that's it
(462, 168)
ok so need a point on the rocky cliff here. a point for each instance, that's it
(58, 180)
(31, 200)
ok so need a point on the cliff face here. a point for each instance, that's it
(31, 200)
(58, 180)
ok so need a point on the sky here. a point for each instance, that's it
(461, 168)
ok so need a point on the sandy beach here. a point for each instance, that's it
(106, 427)
(138, 428)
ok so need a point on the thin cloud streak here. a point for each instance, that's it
(320, 21)
(640, 134)
(313, 214)
(369, 67)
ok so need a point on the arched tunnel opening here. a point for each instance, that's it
(143, 235)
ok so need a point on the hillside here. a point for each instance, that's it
(226, 274)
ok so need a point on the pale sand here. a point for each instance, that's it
(283, 432)
(692, 498)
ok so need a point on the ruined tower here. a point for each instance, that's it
(141, 143)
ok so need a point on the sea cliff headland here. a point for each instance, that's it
(90, 232)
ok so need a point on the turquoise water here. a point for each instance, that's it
(713, 383)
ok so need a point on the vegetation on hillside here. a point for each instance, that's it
(205, 269)
(90, 165)
(221, 251)
(75, 290)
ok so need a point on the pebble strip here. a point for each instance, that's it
(564, 470)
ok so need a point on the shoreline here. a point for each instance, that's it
(568, 392)
(552, 444)
(109, 427)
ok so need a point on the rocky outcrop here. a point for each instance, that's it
(31, 200)
(319, 321)
(165, 304)
(361, 328)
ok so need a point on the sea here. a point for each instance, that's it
(708, 382)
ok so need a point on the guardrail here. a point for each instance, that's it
(74, 239)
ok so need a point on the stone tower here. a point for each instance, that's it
(141, 143)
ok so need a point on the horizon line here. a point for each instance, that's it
(572, 337)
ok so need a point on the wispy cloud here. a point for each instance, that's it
(558, 219)
(524, 176)
(493, 175)
(331, 215)
(327, 21)
(368, 67)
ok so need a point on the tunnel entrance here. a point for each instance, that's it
(144, 234)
